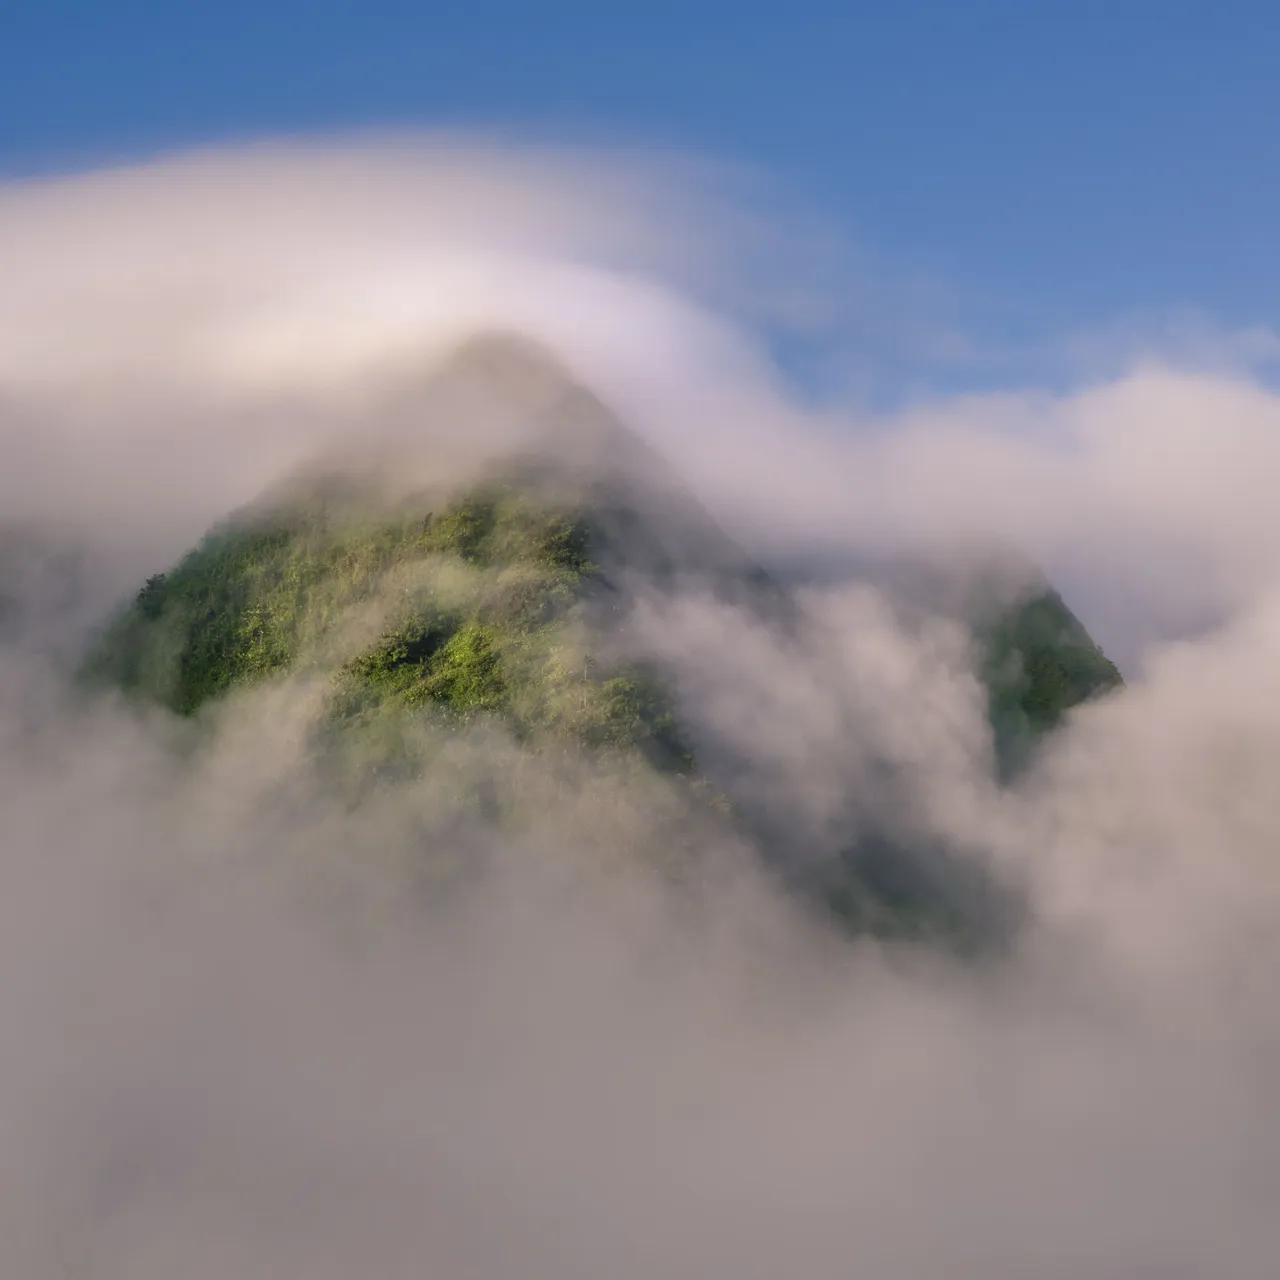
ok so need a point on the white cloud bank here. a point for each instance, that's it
(228, 1056)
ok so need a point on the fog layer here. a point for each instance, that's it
(252, 1029)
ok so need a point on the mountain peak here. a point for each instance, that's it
(423, 596)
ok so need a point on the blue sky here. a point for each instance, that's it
(1041, 168)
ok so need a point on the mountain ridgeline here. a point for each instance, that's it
(428, 611)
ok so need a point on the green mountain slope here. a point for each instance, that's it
(423, 613)
(485, 605)
(1038, 663)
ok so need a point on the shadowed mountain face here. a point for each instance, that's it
(1038, 663)
(493, 583)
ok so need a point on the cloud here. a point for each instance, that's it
(254, 1029)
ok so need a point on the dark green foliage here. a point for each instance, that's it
(400, 652)
(151, 597)
(233, 631)
(455, 666)
(211, 622)
(271, 592)
(1039, 662)
(500, 525)
(636, 709)
(887, 888)
(465, 673)
(464, 529)
(564, 542)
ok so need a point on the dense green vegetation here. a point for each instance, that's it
(419, 618)
(1039, 662)
(469, 609)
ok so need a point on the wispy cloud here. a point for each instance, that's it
(242, 1043)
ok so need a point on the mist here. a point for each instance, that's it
(255, 1029)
